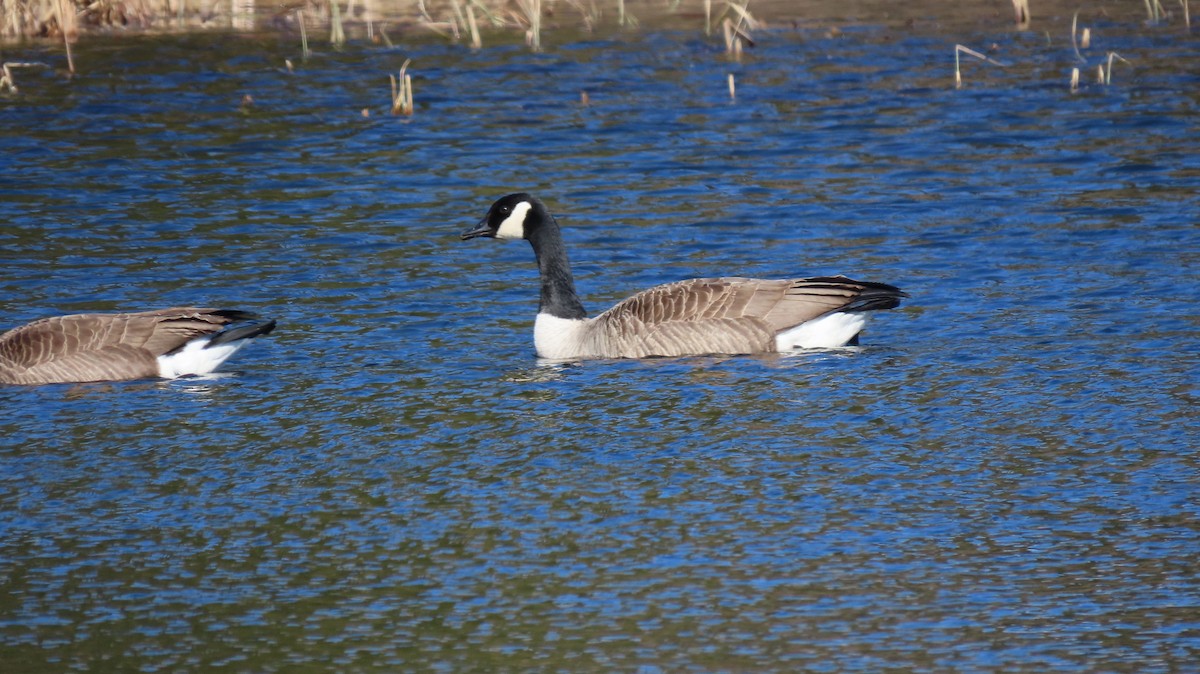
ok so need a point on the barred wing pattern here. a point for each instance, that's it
(102, 347)
(725, 315)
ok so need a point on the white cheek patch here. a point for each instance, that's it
(513, 226)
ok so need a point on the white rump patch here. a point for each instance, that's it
(827, 332)
(194, 358)
(559, 338)
(513, 226)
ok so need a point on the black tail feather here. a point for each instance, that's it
(234, 315)
(244, 332)
(873, 296)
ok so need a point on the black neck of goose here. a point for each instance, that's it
(558, 286)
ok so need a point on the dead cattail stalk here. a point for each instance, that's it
(66, 23)
(1187, 17)
(337, 36)
(1100, 74)
(7, 81)
(1155, 11)
(476, 43)
(744, 15)
(1112, 56)
(732, 88)
(958, 48)
(708, 17)
(531, 11)
(1021, 10)
(303, 35)
(459, 17)
(1085, 38)
(735, 38)
(1074, 80)
(402, 97)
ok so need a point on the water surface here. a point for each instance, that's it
(1002, 478)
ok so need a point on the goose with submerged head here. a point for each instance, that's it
(166, 343)
(703, 316)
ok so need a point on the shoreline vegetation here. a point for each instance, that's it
(466, 20)
(454, 19)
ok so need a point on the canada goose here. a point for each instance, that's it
(165, 343)
(686, 318)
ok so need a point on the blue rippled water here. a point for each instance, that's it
(1003, 478)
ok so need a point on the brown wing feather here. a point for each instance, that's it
(101, 347)
(713, 315)
(727, 315)
(809, 298)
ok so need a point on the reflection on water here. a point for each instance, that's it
(1001, 478)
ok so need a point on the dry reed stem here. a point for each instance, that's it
(402, 97)
(1021, 11)
(531, 11)
(1074, 31)
(493, 17)
(337, 36)
(1187, 17)
(958, 48)
(734, 38)
(587, 12)
(732, 88)
(7, 81)
(1074, 80)
(303, 35)
(447, 29)
(1153, 10)
(1108, 72)
(708, 17)
(460, 19)
(424, 12)
(745, 16)
(66, 23)
(735, 35)
(476, 43)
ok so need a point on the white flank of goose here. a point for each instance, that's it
(702, 316)
(165, 343)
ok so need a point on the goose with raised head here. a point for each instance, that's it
(687, 318)
(166, 343)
